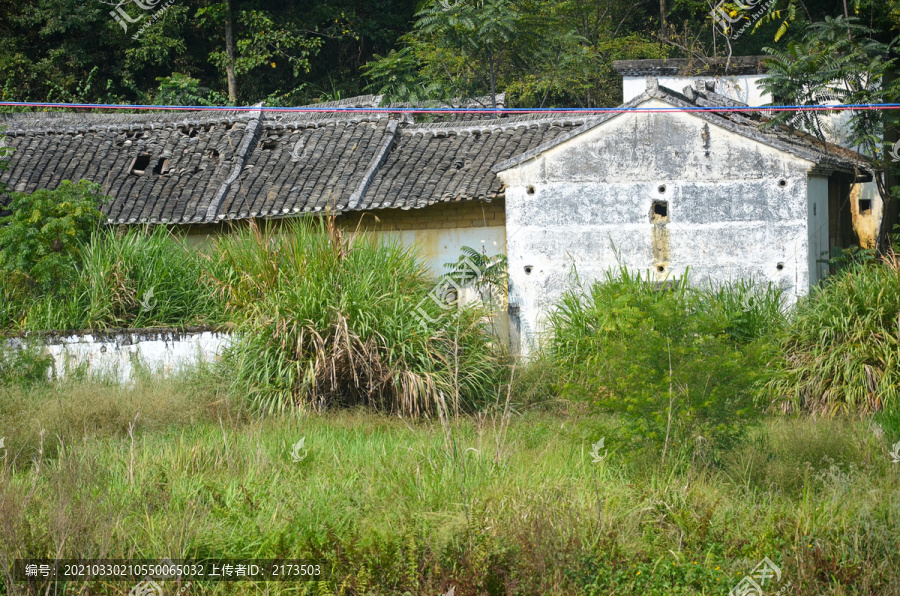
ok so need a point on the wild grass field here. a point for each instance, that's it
(501, 502)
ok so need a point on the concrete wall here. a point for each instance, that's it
(744, 88)
(736, 209)
(439, 231)
(118, 355)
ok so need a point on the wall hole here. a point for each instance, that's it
(269, 144)
(662, 188)
(659, 212)
(528, 269)
(865, 206)
(530, 190)
(779, 266)
(782, 183)
(660, 268)
(140, 163)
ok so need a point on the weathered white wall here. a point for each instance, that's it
(117, 355)
(742, 88)
(745, 89)
(730, 217)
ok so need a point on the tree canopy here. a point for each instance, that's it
(540, 53)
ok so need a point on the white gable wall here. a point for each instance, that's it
(736, 209)
(742, 88)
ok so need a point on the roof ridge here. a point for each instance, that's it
(240, 157)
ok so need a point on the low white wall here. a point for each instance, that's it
(119, 354)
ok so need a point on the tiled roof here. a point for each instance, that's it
(209, 166)
(441, 162)
(189, 156)
(736, 65)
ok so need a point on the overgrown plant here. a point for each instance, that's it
(328, 320)
(138, 278)
(42, 234)
(841, 351)
(676, 362)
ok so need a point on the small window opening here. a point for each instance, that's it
(865, 206)
(161, 167)
(140, 163)
(660, 212)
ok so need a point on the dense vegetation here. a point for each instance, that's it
(503, 503)
(644, 451)
(244, 51)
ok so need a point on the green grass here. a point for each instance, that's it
(394, 506)
(140, 278)
(841, 352)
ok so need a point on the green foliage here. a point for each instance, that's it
(326, 321)
(540, 53)
(675, 362)
(41, 236)
(841, 351)
(140, 278)
(488, 275)
(182, 90)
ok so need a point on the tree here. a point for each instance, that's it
(41, 235)
(540, 52)
(838, 60)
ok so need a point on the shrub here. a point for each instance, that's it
(41, 236)
(330, 321)
(841, 351)
(675, 363)
(23, 366)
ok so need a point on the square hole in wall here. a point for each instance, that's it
(659, 212)
(865, 206)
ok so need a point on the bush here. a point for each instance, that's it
(41, 236)
(23, 366)
(841, 352)
(328, 321)
(676, 363)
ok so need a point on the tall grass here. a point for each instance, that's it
(841, 352)
(327, 320)
(139, 278)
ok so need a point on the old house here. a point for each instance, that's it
(710, 193)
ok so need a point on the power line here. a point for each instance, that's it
(484, 111)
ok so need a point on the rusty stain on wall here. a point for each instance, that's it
(865, 224)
